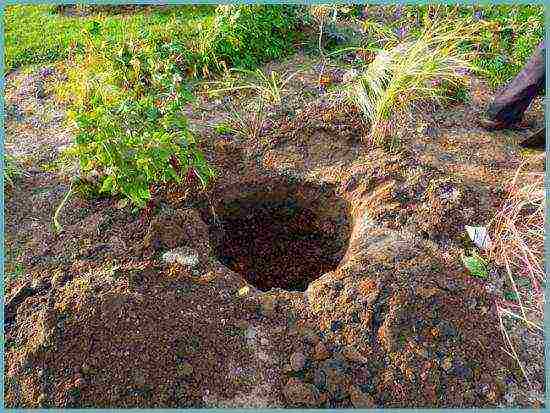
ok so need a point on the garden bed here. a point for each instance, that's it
(315, 270)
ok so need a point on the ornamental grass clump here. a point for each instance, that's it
(413, 72)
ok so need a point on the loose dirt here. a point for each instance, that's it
(315, 271)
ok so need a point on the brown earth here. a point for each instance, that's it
(177, 311)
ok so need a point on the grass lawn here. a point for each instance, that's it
(509, 41)
(38, 34)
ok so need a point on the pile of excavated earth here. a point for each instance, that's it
(315, 271)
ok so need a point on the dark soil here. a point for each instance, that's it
(276, 243)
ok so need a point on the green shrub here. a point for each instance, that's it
(242, 36)
(126, 104)
(127, 91)
(256, 34)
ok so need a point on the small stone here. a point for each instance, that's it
(250, 333)
(510, 398)
(355, 356)
(38, 284)
(320, 379)
(243, 291)
(46, 71)
(427, 292)
(323, 398)
(277, 329)
(482, 389)
(338, 390)
(349, 76)
(447, 364)
(463, 372)
(448, 329)
(360, 399)
(338, 286)
(268, 307)
(42, 399)
(182, 256)
(335, 366)
(292, 331)
(139, 378)
(121, 204)
(472, 303)
(242, 324)
(185, 369)
(57, 279)
(310, 336)
(297, 392)
(336, 325)
(262, 355)
(297, 361)
(320, 352)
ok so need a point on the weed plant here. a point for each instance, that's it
(268, 90)
(127, 95)
(11, 171)
(126, 106)
(508, 34)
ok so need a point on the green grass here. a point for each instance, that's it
(508, 45)
(209, 37)
(38, 34)
(509, 35)
(11, 171)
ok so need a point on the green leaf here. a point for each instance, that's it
(94, 28)
(108, 184)
(476, 265)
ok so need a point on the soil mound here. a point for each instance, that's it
(326, 276)
(388, 325)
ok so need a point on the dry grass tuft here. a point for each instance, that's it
(518, 234)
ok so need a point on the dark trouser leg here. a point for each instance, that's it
(510, 104)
